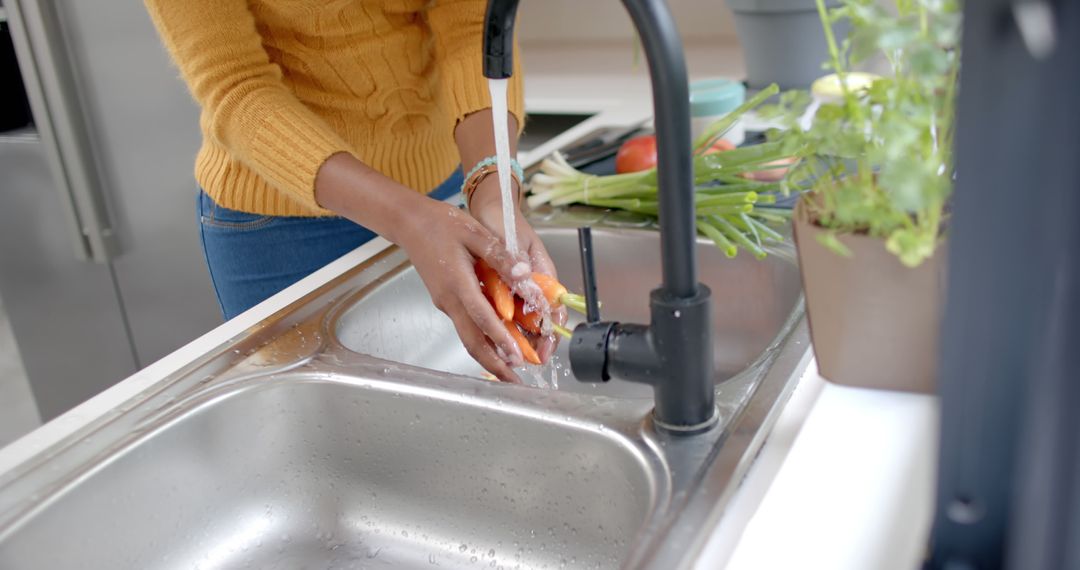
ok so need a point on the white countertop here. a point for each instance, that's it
(845, 479)
(844, 482)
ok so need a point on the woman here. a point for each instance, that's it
(322, 124)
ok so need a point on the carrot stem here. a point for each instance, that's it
(574, 302)
(563, 331)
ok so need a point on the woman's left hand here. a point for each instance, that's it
(486, 207)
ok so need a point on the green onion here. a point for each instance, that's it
(722, 243)
(730, 209)
(738, 237)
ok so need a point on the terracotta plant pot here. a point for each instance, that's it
(874, 322)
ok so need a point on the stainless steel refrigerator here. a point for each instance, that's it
(101, 268)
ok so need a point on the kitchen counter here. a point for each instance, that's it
(845, 479)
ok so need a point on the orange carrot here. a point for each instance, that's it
(497, 292)
(552, 289)
(528, 321)
(527, 349)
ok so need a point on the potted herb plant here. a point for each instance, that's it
(876, 171)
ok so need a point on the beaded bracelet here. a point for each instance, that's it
(482, 170)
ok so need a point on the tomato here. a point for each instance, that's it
(639, 153)
(720, 146)
(774, 174)
(636, 154)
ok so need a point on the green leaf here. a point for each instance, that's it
(927, 60)
(903, 178)
(911, 246)
(722, 125)
(899, 36)
(830, 241)
(863, 43)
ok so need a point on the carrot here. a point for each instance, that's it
(497, 292)
(527, 349)
(528, 321)
(556, 293)
(552, 289)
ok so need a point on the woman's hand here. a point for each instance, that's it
(486, 207)
(443, 242)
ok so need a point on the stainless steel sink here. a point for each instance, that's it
(350, 431)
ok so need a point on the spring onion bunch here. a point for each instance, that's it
(733, 211)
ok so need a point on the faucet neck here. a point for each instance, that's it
(671, 111)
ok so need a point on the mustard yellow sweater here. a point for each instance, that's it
(284, 84)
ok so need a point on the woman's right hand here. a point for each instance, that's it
(442, 242)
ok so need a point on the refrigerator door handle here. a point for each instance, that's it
(60, 120)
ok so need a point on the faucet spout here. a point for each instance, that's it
(499, 39)
(674, 353)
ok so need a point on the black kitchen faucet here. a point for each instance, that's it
(673, 353)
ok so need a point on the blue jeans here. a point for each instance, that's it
(251, 256)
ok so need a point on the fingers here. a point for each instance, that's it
(541, 262)
(474, 306)
(479, 347)
(546, 345)
(539, 257)
(512, 268)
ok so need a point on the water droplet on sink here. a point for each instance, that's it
(463, 548)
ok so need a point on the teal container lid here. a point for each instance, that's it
(712, 97)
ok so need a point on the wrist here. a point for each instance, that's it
(355, 191)
(411, 218)
(488, 193)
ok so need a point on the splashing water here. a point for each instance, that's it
(543, 376)
(499, 117)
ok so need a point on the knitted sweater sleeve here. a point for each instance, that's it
(458, 29)
(248, 109)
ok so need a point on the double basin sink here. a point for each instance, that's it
(351, 430)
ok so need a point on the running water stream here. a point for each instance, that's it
(499, 117)
(546, 376)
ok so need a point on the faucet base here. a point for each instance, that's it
(681, 334)
(695, 429)
(673, 355)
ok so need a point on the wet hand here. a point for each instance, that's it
(486, 207)
(442, 242)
